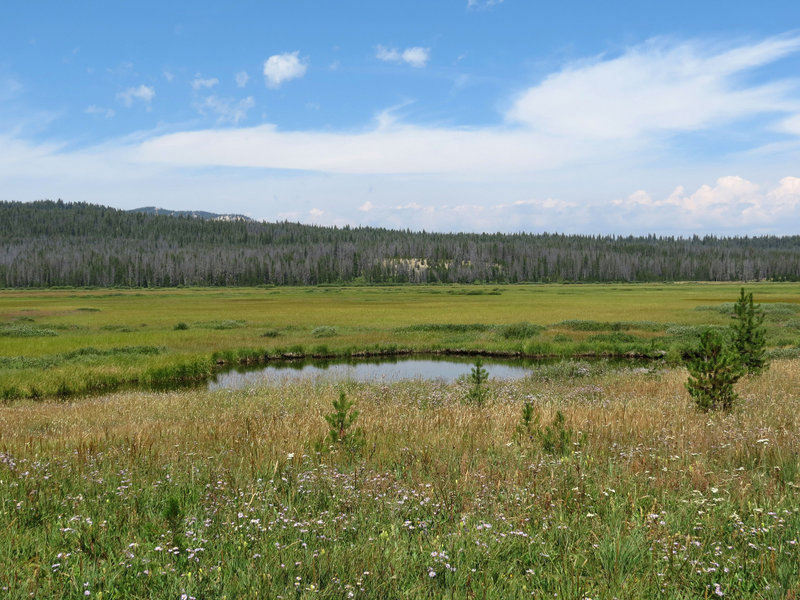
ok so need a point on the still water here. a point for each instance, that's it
(367, 370)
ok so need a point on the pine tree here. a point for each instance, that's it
(749, 339)
(713, 370)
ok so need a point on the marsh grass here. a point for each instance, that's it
(222, 494)
(226, 327)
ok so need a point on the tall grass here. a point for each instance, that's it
(223, 494)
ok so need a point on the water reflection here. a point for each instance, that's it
(369, 370)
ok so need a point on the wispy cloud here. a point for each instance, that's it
(203, 83)
(142, 93)
(416, 56)
(629, 111)
(654, 88)
(100, 111)
(284, 67)
(242, 78)
(478, 4)
(227, 110)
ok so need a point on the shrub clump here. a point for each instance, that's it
(520, 331)
(324, 331)
(17, 330)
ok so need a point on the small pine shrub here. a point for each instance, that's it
(556, 438)
(340, 423)
(478, 377)
(714, 368)
(181, 326)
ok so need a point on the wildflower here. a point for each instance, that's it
(431, 573)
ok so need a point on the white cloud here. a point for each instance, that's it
(790, 125)
(416, 56)
(477, 4)
(168, 75)
(388, 148)
(203, 83)
(283, 67)
(657, 87)
(227, 110)
(734, 202)
(366, 207)
(99, 110)
(388, 55)
(316, 212)
(143, 93)
(242, 78)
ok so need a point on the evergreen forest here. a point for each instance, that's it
(53, 243)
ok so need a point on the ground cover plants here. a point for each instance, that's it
(620, 489)
(45, 334)
(580, 481)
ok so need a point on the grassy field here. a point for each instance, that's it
(632, 493)
(70, 342)
(237, 494)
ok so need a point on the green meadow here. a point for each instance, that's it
(584, 480)
(72, 342)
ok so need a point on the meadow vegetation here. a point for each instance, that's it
(583, 480)
(71, 342)
(576, 482)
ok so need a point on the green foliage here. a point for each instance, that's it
(340, 423)
(615, 337)
(716, 365)
(714, 368)
(181, 326)
(520, 331)
(555, 438)
(445, 327)
(528, 421)
(478, 377)
(749, 335)
(324, 331)
(221, 325)
(17, 330)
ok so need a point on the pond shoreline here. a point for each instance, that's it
(257, 359)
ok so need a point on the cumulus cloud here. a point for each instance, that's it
(203, 83)
(283, 67)
(656, 87)
(416, 56)
(734, 202)
(143, 93)
(242, 78)
(227, 110)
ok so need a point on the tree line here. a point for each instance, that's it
(53, 243)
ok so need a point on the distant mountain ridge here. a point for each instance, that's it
(197, 214)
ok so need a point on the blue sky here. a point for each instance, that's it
(465, 115)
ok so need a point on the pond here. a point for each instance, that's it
(388, 370)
